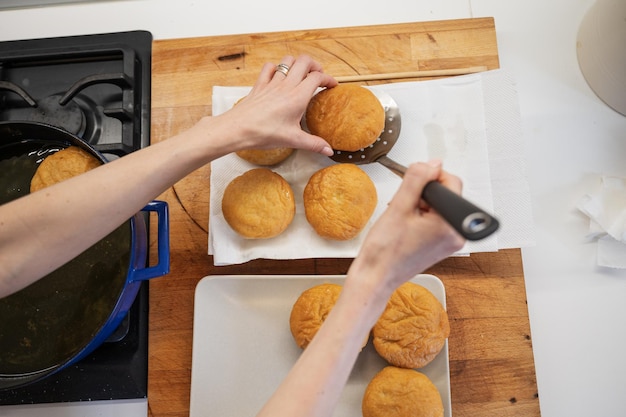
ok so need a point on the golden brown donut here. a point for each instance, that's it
(339, 201)
(413, 328)
(310, 310)
(398, 392)
(265, 157)
(62, 165)
(258, 204)
(350, 117)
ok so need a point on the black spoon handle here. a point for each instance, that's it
(472, 222)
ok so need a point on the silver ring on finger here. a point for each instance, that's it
(282, 68)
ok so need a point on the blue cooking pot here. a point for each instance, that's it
(63, 317)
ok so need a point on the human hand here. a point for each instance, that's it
(410, 237)
(269, 116)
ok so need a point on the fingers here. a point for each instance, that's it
(296, 71)
(265, 76)
(282, 70)
(278, 72)
(299, 77)
(408, 197)
(310, 72)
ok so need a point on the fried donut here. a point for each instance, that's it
(258, 204)
(62, 165)
(350, 117)
(413, 328)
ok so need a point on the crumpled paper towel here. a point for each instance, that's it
(606, 209)
(471, 122)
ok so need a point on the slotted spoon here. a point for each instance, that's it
(470, 221)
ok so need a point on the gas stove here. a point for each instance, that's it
(98, 88)
(94, 86)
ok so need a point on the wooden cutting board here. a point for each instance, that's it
(491, 358)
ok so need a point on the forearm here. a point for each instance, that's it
(34, 241)
(84, 209)
(314, 385)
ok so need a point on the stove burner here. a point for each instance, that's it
(69, 116)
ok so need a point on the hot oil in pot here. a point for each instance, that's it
(50, 321)
(18, 163)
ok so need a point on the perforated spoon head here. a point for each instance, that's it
(383, 144)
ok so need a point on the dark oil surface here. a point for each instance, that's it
(18, 163)
(50, 321)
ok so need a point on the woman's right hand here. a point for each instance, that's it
(409, 237)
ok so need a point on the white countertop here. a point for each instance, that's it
(577, 310)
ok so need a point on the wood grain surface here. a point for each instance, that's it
(491, 358)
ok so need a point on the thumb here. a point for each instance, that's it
(314, 143)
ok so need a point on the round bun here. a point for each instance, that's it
(413, 328)
(348, 116)
(265, 157)
(310, 311)
(258, 204)
(339, 201)
(397, 392)
(62, 165)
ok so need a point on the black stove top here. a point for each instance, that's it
(95, 86)
(98, 88)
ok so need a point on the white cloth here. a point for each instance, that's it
(606, 209)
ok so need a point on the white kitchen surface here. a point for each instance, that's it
(577, 310)
(119, 408)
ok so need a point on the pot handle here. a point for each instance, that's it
(163, 243)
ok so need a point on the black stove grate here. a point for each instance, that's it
(95, 86)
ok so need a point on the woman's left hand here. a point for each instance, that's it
(270, 114)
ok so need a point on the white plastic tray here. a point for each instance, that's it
(243, 348)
